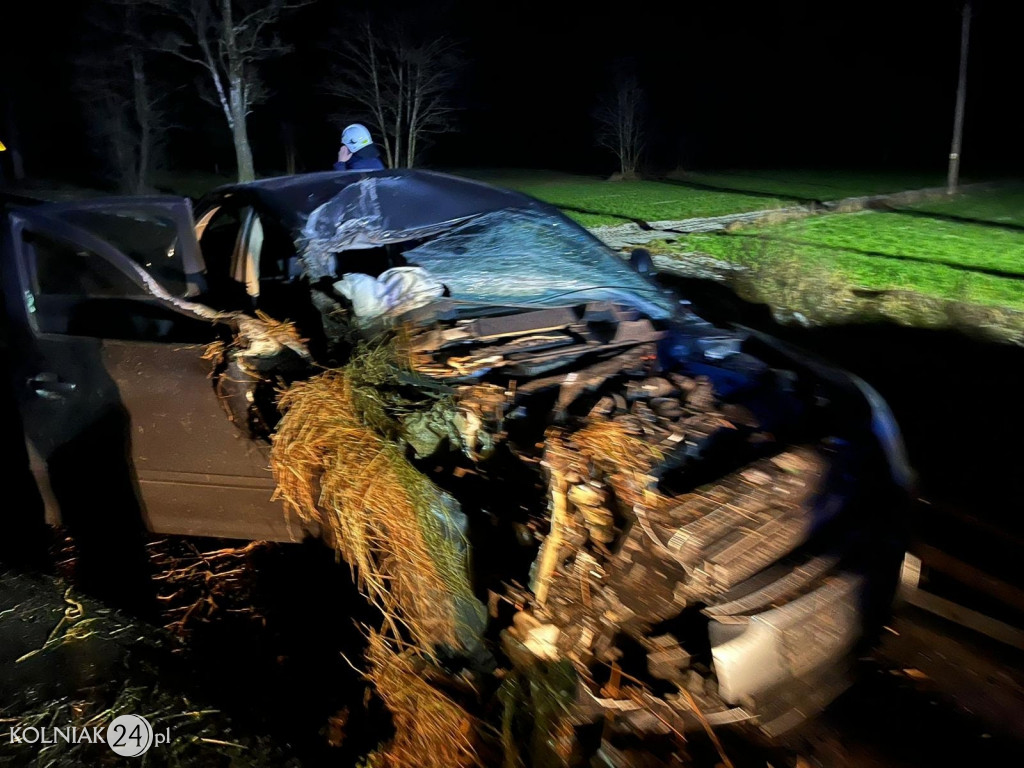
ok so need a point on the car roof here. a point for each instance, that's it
(425, 194)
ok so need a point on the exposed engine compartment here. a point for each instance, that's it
(641, 504)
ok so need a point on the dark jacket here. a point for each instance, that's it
(366, 159)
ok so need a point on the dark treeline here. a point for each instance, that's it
(867, 84)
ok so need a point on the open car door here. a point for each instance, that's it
(101, 364)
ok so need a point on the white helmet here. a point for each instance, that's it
(355, 137)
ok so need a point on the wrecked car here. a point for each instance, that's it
(545, 469)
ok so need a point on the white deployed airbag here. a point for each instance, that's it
(396, 290)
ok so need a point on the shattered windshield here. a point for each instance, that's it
(531, 257)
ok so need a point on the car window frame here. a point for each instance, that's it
(42, 221)
(176, 209)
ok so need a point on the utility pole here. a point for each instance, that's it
(953, 176)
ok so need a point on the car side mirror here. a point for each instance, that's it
(641, 261)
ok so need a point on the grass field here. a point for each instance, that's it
(970, 262)
(815, 184)
(1000, 205)
(595, 202)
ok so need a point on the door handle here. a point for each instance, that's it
(49, 386)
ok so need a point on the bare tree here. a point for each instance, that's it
(229, 39)
(620, 124)
(398, 84)
(125, 111)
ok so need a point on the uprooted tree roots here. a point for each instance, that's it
(389, 522)
(337, 469)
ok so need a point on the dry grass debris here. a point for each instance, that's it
(390, 523)
(432, 730)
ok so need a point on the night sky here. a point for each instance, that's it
(846, 85)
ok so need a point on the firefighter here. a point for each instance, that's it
(358, 152)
